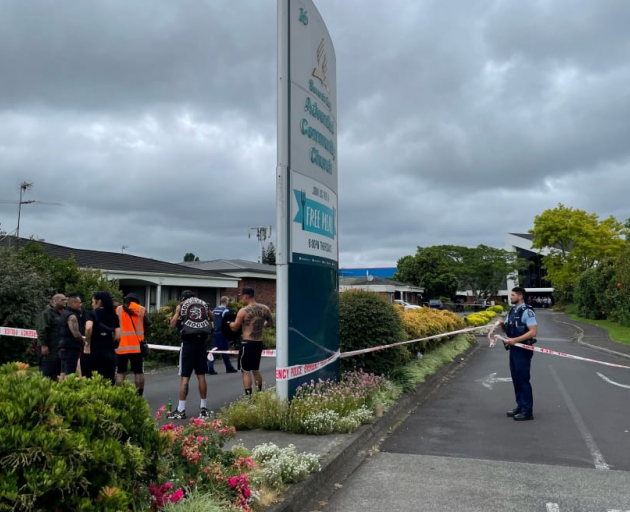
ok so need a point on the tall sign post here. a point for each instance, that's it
(307, 310)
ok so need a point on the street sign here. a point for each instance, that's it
(307, 310)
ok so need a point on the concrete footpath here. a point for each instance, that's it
(340, 455)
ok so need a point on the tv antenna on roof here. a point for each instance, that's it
(25, 187)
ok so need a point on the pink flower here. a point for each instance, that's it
(176, 496)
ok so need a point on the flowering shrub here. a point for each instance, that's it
(281, 466)
(318, 407)
(193, 448)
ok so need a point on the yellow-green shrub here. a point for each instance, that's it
(480, 318)
(424, 322)
(497, 309)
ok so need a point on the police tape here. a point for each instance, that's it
(19, 333)
(299, 370)
(550, 352)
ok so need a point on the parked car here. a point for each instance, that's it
(436, 304)
(406, 305)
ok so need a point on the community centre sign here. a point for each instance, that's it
(307, 204)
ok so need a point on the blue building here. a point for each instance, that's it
(382, 272)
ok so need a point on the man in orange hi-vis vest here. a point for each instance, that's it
(135, 325)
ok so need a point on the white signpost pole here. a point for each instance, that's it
(282, 194)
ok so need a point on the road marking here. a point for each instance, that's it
(614, 384)
(489, 380)
(597, 456)
(553, 507)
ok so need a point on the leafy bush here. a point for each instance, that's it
(77, 445)
(162, 334)
(480, 318)
(589, 293)
(22, 298)
(260, 410)
(425, 322)
(367, 320)
(497, 309)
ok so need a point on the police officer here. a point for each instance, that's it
(520, 327)
(218, 338)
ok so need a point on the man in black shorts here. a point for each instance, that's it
(253, 318)
(191, 318)
(135, 326)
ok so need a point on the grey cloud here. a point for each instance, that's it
(458, 122)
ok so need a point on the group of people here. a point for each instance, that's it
(111, 339)
(195, 323)
(539, 302)
(107, 340)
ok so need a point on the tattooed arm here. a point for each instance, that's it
(268, 318)
(73, 325)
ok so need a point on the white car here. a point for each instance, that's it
(406, 305)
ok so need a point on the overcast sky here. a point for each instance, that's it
(154, 122)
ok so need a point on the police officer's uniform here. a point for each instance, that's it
(519, 319)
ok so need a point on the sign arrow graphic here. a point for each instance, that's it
(489, 381)
(612, 381)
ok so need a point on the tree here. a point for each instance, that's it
(62, 275)
(430, 269)
(269, 254)
(576, 241)
(483, 269)
(22, 297)
(189, 256)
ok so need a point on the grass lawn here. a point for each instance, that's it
(615, 331)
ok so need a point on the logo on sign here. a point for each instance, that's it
(321, 72)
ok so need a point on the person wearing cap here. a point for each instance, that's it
(253, 318)
(135, 326)
(192, 320)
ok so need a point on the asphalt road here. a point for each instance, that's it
(223, 388)
(459, 450)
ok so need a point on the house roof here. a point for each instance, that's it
(111, 261)
(526, 236)
(232, 266)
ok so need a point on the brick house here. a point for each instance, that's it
(155, 282)
(259, 276)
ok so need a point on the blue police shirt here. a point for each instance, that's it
(528, 317)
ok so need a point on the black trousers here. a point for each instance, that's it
(101, 361)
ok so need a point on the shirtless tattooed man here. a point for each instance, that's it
(253, 319)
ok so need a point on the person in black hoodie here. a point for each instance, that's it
(71, 336)
(102, 334)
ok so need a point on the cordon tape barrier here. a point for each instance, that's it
(300, 370)
(496, 337)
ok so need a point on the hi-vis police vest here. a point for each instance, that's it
(131, 329)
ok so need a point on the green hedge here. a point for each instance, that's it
(82, 444)
(367, 320)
